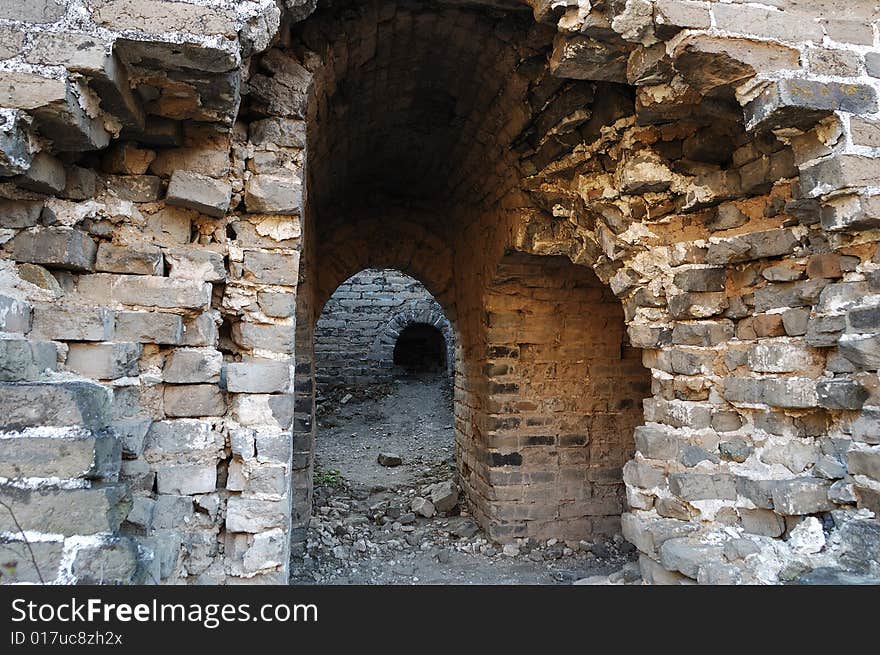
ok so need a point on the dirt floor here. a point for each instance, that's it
(375, 524)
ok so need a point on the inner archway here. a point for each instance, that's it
(420, 350)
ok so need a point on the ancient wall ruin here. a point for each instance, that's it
(186, 182)
(360, 326)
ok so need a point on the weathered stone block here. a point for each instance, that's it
(65, 511)
(134, 188)
(202, 330)
(583, 58)
(194, 400)
(271, 267)
(779, 358)
(801, 496)
(186, 479)
(193, 365)
(864, 462)
(139, 259)
(26, 404)
(146, 290)
(284, 132)
(196, 191)
(273, 194)
(183, 439)
(840, 172)
(15, 315)
(686, 555)
(279, 305)
(45, 175)
(276, 338)
(258, 377)
(850, 212)
(656, 442)
(866, 428)
(17, 564)
(698, 486)
(803, 103)
(701, 279)
(763, 522)
(195, 264)
(103, 361)
(862, 350)
(24, 359)
(72, 323)
(251, 515)
(56, 247)
(841, 394)
(148, 327)
(117, 562)
(793, 393)
(19, 213)
(59, 453)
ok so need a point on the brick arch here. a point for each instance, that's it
(382, 349)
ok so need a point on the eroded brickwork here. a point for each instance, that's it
(185, 184)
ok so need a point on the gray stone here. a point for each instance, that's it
(278, 305)
(727, 217)
(829, 468)
(824, 331)
(273, 194)
(149, 327)
(860, 544)
(30, 563)
(841, 394)
(686, 555)
(186, 479)
(284, 132)
(195, 264)
(71, 453)
(139, 259)
(866, 428)
(271, 268)
(277, 338)
(422, 507)
(20, 213)
(103, 361)
(795, 393)
(72, 323)
(864, 462)
(701, 279)
(251, 515)
(762, 522)
(81, 184)
(65, 511)
(656, 442)
(200, 192)
(134, 188)
(759, 492)
(862, 350)
(25, 404)
(702, 333)
(736, 450)
(825, 575)
(193, 365)
(146, 291)
(726, 421)
(56, 247)
(802, 293)
(802, 103)
(796, 321)
(389, 459)
(15, 315)
(692, 455)
(45, 175)
(116, 562)
(698, 486)
(800, 496)
(444, 495)
(182, 439)
(263, 376)
(23, 359)
(201, 330)
(194, 400)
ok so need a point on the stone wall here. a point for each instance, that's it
(358, 328)
(185, 183)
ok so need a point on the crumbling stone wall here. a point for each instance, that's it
(168, 240)
(359, 326)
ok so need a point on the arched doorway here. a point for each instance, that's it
(420, 350)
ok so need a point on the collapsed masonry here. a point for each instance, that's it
(651, 223)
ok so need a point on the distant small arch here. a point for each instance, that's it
(386, 340)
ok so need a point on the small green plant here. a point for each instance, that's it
(328, 478)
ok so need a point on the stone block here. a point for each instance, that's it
(81, 184)
(800, 103)
(273, 194)
(193, 365)
(259, 376)
(191, 400)
(55, 247)
(185, 439)
(201, 330)
(864, 462)
(800, 496)
(583, 58)
(850, 212)
(186, 479)
(29, 563)
(116, 562)
(103, 361)
(763, 522)
(72, 323)
(24, 359)
(656, 442)
(276, 338)
(866, 428)
(699, 486)
(206, 195)
(65, 511)
(283, 132)
(779, 358)
(139, 259)
(700, 279)
(253, 516)
(841, 394)
(861, 349)
(271, 267)
(195, 264)
(59, 453)
(149, 327)
(46, 174)
(127, 159)
(19, 213)
(60, 404)
(687, 555)
(840, 172)
(134, 188)
(278, 305)
(146, 291)
(15, 315)
(702, 333)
